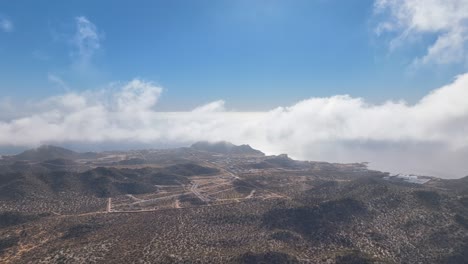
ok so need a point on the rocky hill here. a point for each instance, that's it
(224, 147)
(49, 152)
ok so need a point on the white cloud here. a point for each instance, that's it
(430, 136)
(6, 25)
(446, 19)
(86, 39)
(216, 106)
(137, 96)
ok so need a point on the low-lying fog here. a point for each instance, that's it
(428, 138)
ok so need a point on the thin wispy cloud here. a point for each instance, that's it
(86, 40)
(6, 25)
(55, 79)
(446, 20)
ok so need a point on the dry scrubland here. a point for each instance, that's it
(221, 204)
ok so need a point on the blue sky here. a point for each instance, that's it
(255, 55)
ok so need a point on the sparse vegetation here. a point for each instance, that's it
(185, 206)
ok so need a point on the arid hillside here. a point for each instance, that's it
(193, 205)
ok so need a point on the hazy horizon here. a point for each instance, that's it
(378, 81)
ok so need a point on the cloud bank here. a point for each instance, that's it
(446, 20)
(429, 137)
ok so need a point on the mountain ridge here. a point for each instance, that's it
(224, 147)
(51, 152)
